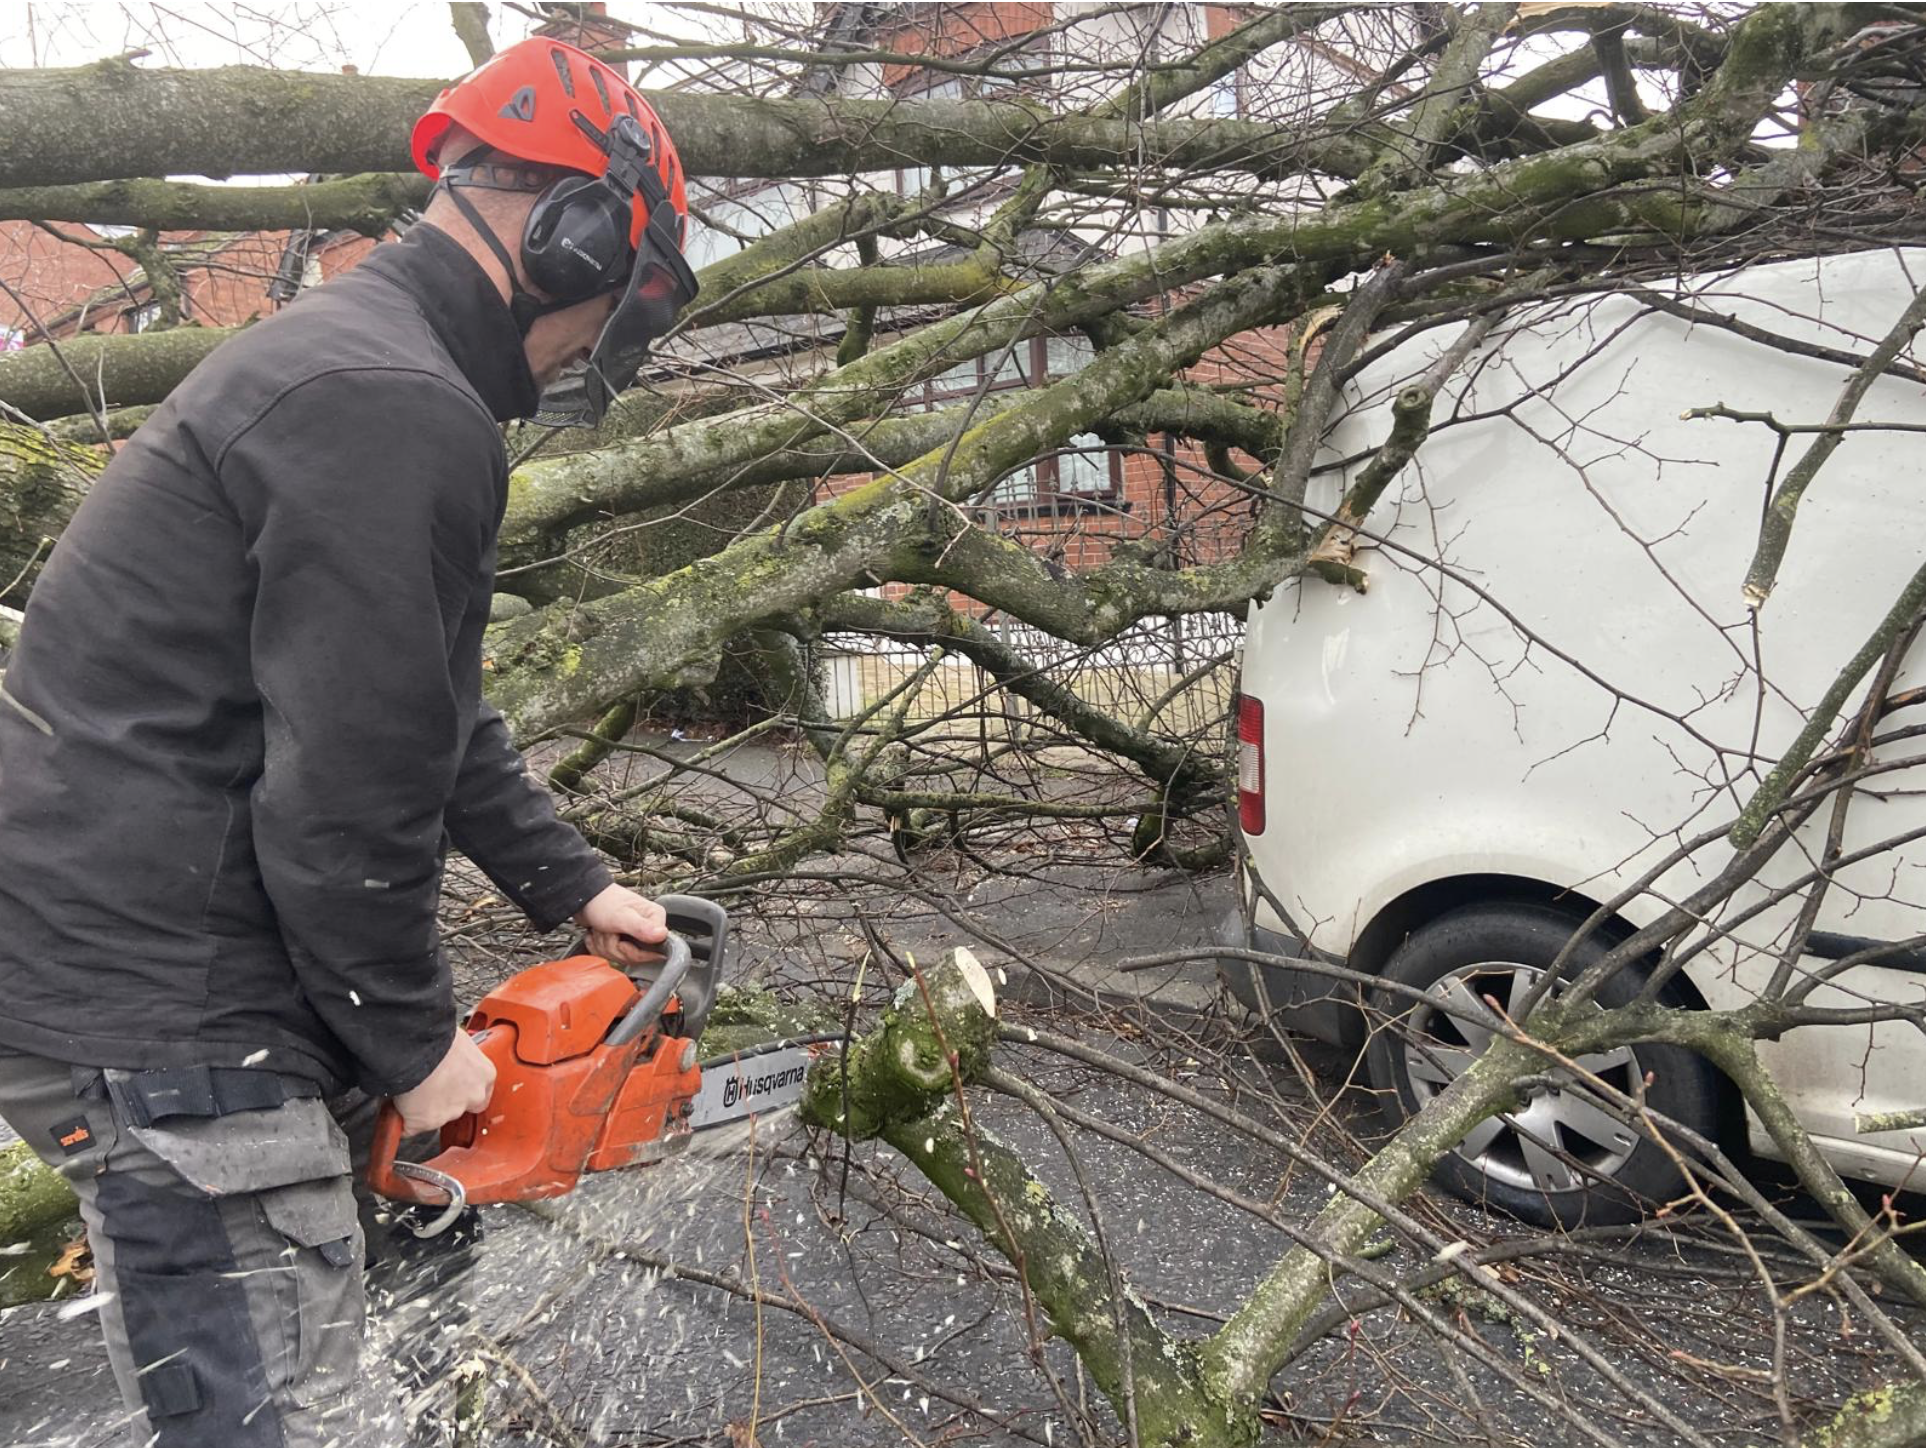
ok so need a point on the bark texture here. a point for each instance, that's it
(83, 374)
(41, 483)
(367, 203)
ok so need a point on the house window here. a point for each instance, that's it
(1225, 99)
(144, 316)
(1030, 57)
(1085, 469)
(753, 212)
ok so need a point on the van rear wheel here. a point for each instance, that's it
(1565, 1159)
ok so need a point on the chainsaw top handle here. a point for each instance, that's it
(704, 925)
(676, 961)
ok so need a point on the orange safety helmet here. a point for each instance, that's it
(530, 102)
(552, 105)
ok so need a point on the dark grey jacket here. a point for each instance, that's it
(245, 703)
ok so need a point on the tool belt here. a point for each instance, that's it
(147, 1097)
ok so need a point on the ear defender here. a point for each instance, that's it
(575, 244)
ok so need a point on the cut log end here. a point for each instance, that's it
(976, 979)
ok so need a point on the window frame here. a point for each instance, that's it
(1046, 492)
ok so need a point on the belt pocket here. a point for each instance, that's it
(250, 1151)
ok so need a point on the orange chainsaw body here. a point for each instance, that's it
(565, 1100)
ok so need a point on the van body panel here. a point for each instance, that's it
(1414, 734)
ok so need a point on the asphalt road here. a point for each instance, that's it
(622, 1353)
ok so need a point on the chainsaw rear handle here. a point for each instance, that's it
(413, 1182)
(410, 1181)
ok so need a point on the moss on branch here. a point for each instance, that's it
(39, 1216)
(42, 481)
(1891, 1416)
(564, 662)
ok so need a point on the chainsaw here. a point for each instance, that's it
(595, 1070)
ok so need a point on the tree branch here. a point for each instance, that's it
(470, 19)
(366, 203)
(116, 119)
(102, 370)
(1775, 532)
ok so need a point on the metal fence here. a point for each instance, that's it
(1138, 671)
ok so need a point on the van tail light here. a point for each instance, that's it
(1250, 764)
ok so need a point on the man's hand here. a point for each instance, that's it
(462, 1083)
(619, 923)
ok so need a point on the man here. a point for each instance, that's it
(243, 713)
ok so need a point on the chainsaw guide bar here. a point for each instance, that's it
(751, 1083)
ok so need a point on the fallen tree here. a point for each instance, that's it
(821, 451)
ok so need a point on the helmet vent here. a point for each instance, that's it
(588, 128)
(521, 105)
(561, 69)
(602, 91)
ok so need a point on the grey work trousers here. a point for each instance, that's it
(228, 1260)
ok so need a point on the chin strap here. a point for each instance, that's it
(524, 306)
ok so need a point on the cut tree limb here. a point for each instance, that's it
(900, 1083)
(1330, 557)
(1776, 530)
(938, 1030)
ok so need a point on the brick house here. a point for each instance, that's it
(1077, 503)
(82, 287)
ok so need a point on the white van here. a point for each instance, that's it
(1437, 796)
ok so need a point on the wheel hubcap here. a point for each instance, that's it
(1534, 1148)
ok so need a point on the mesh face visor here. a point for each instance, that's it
(659, 285)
